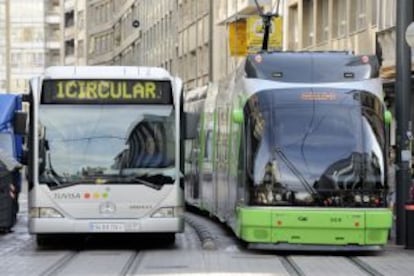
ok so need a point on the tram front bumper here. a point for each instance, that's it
(314, 226)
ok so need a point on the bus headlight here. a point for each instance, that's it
(168, 212)
(44, 212)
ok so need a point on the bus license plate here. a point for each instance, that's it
(107, 227)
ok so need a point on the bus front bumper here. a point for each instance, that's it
(145, 225)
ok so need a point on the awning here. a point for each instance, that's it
(8, 104)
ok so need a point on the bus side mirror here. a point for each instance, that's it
(19, 122)
(237, 116)
(190, 125)
(387, 117)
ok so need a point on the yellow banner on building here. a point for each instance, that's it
(255, 31)
(246, 36)
(237, 38)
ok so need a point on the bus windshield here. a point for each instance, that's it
(100, 144)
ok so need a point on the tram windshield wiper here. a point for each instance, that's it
(296, 172)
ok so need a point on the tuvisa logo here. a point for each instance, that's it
(67, 196)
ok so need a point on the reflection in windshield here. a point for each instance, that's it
(316, 151)
(91, 144)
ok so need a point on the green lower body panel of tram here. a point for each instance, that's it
(316, 226)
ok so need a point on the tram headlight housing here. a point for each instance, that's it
(168, 212)
(44, 212)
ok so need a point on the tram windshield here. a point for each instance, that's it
(103, 144)
(313, 146)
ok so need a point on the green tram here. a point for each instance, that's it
(291, 152)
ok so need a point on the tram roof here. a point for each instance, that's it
(106, 72)
(311, 67)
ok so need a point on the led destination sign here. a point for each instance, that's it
(106, 92)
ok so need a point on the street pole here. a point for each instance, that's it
(403, 115)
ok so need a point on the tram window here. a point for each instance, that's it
(208, 150)
(249, 153)
(376, 125)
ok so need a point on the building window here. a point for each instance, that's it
(362, 14)
(308, 22)
(323, 22)
(81, 20)
(387, 14)
(39, 59)
(339, 19)
(357, 15)
(81, 46)
(69, 19)
(69, 47)
(374, 12)
(15, 59)
(293, 34)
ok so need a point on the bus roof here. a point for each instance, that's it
(106, 72)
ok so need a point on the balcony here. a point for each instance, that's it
(70, 32)
(53, 61)
(53, 45)
(69, 5)
(53, 19)
(70, 60)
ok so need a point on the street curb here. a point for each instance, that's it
(207, 240)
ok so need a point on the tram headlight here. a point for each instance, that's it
(44, 212)
(168, 212)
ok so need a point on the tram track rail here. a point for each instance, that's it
(291, 267)
(133, 264)
(365, 267)
(60, 264)
(188, 256)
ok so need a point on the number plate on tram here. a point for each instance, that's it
(107, 227)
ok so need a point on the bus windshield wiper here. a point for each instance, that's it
(140, 180)
(52, 178)
(296, 172)
(107, 179)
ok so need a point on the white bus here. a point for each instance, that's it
(104, 152)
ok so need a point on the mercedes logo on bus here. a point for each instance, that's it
(107, 208)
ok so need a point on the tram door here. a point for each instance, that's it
(222, 161)
(207, 190)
